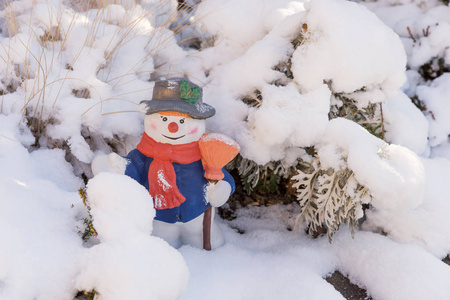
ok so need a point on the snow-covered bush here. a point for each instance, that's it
(423, 27)
(277, 83)
(69, 73)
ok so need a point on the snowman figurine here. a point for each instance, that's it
(168, 163)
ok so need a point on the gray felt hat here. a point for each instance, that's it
(179, 95)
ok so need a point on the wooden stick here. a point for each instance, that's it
(207, 224)
(207, 229)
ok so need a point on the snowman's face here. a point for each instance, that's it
(173, 130)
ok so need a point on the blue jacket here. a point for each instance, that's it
(190, 182)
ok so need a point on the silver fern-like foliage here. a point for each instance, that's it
(328, 198)
(268, 176)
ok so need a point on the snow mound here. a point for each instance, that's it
(405, 124)
(40, 248)
(435, 97)
(426, 225)
(390, 270)
(128, 263)
(139, 268)
(343, 42)
(120, 206)
(393, 174)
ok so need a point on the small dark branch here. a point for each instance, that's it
(410, 34)
(427, 31)
(432, 115)
(419, 104)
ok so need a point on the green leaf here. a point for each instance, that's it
(187, 93)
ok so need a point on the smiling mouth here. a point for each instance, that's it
(173, 138)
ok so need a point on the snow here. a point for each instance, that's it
(394, 174)
(263, 263)
(328, 53)
(145, 267)
(405, 124)
(220, 138)
(39, 255)
(338, 40)
(71, 84)
(390, 270)
(427, 39)
(239, 26)
(426, 224)
(438, 108)
(268, 261)
(116, 197)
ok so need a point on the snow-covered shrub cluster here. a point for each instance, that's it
(277, 81)
(69, 72)
(423, 28)
(425, 36)
(332, 56)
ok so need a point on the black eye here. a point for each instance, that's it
(164, 119)
(181, 121)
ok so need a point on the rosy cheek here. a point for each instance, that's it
(193, 131)
(153, 126)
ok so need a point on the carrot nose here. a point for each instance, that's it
(173, 127)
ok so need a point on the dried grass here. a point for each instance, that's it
(54, 41)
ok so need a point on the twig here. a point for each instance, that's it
(427, 31)
(410, 34)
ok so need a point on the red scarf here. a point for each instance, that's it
(162, 180)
